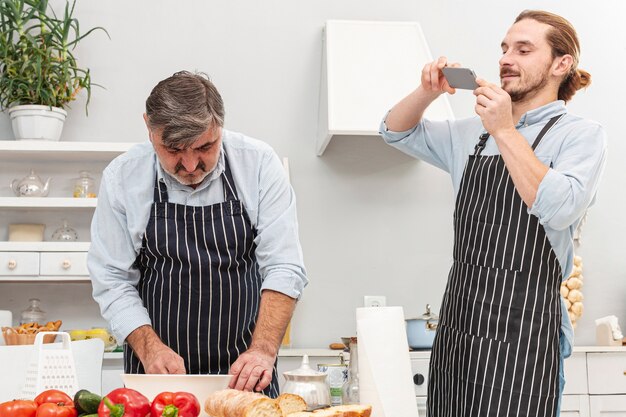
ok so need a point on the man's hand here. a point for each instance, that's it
(433, 80)
(156, 357)
(494, 107)
(252, 371)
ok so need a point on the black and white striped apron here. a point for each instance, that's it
(496, 352)
(200, 281)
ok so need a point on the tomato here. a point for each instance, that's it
(55, 403)
(18, 408)
(55, 410)
(54, 396)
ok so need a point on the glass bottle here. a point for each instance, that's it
(33, 314)
(84, 186)
(351, 387)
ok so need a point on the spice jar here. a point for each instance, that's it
(84, 186)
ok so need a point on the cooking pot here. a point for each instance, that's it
(421, 331)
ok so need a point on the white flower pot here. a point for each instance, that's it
(37, 122)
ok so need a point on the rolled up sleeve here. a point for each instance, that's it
(110, 262)
(278, 251)
(430, 141)
(570, 185)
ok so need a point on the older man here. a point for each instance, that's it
(195, 258)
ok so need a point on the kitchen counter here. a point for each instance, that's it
(421, 354)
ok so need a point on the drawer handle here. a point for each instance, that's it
(12, 264)
(66, 264)
(418, 379)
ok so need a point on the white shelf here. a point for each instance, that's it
(44, 246)
(47, 202)
(42, 150)
(43, 278)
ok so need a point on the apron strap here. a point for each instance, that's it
(546, 128)
(482, 139)
(228, 183)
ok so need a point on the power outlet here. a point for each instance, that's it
(374, 301)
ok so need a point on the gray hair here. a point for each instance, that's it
(184, 106)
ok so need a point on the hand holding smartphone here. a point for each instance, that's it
(463, 78)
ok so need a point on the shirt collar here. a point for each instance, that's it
(174, 184)
(542, 113)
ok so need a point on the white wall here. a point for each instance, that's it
(373, 221)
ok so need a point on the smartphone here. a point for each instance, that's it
(460, 78)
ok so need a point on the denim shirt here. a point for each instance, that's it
(574, 150)
(121, 217)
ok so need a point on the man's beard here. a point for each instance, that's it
(532, 84)
(186, 180)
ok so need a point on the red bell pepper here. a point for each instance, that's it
(55, 403)
(18, 408)
(179, 404)
(124, 402)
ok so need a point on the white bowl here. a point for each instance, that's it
(199, 385)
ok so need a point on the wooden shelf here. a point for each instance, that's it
(44, 246)
(47, 202)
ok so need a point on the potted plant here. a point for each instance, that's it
(39, 74)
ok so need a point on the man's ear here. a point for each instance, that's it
(562, 65)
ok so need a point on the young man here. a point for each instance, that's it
(524, 172)
(195, 258)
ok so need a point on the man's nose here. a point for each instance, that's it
(505, 60)
(190, 162)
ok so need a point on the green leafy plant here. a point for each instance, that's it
(37, 65)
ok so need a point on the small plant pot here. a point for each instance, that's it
(37, 122)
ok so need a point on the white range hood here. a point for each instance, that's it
(368, 67)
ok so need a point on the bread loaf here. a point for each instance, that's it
(352, 410)
(291, 403)
(233, 403)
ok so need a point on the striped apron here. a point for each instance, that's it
(496, 351)
(200, 281)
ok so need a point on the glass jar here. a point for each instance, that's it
(84, 186)
(65, 233)
(351, 387)
(33, 314)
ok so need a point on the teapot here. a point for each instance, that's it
(31, 186)
(309, 384)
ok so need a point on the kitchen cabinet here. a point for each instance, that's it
(595, 381)
(607, 405)
(62, 161)
(575, 406)
(55, 272)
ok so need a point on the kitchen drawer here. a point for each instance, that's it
(19, 263)
(419, 369)
(575, 405)
(63, 264)
(607, 373)
(576, 374)
(607, 405)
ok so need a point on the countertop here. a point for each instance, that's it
(425, 354)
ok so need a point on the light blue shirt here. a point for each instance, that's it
(127, 193)
(574, 149)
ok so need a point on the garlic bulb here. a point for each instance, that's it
(571, 291)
